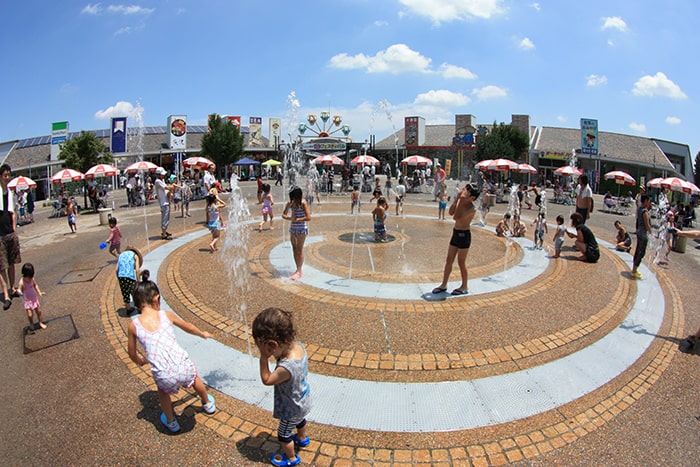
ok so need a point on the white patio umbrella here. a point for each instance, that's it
(141, 166)
(21, 183)
(101, 170)
(66, 175)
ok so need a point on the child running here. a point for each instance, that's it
(170, 364)
(559, 236)
(214, 205)
(71, 212)
(355, 200)
(31, 291)
(274, 335)
(379, 217)
(115, 238)
(297, 211)
(540, 229)
(267, 203)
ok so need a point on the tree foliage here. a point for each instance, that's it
(224, 143)
(504, 141)
(84, 151)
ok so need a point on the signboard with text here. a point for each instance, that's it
(177, 132)
(117, 135)
(59, 136)
(589, 136)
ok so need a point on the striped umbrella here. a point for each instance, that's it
(21, 183)
(66, 175)
(101, 170)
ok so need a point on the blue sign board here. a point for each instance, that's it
(589, 136)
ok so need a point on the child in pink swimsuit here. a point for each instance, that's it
(31, 291)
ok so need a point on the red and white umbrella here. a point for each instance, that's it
(620, 177)
(502, 165)
(695, 190)
(655, 182)
(141, 166)
(417, 160)
(66, 175)
(567, 171)
(364, 160)
(328, 159)
(21, 183)
(525, 169)
(101, 170)
(196, 161)
(677, 184)
(483, 164)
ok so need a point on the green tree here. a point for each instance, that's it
(224, 143)
(504, 141)
(84, 151)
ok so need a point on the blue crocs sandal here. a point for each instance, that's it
(210, 407)
(173, 426)
(280, 459)
(302, 443)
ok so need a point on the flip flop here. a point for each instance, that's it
(439, 289)
(459, 292)
(280, 459)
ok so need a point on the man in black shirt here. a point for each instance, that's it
(9, 241)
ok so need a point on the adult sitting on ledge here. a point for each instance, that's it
(585, 240)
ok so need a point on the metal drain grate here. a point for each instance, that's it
(58, 330)
(80, 275)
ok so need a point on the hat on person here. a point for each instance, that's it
(160, 171)
(438, 165)
(218, 186)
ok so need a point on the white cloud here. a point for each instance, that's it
(452, 71)
(439, 11)
(396, 59)
(442, 98)
(638, 127)
(69, 89)
(596, 80)
(614, 22)
(536, 6)
(489, 92)
(124, 30)
(657, 85)
(673, 120)
(561, 118)
(380, 23)
(120, 109)
(130, 10)
(526, 44)
(91, 9)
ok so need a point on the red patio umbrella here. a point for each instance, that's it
(21, 183)
(364, 160)
(525, 169)
(654, 183)
(328, 159)
(66, 175)
(620, 177)
(677, 184)
(502, 165)
(417, 160)
(101, 170)
(567, 171)
(196, 161)
(141, 166)
(483, 164)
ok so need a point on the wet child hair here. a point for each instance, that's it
(506, 216)
(560, 219)
(145, 291)
(381, 201)
(295, 194)
(28, 270)
(266, 188)
(112, 221)
(211, 199)
(274, 324)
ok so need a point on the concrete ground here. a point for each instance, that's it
(76, 399)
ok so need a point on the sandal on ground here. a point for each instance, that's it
(280, 459)
(439, 289)
(210, 407)
(459, 292)
(7, 304)
(173, 426)
(166, 237)
(302, 443)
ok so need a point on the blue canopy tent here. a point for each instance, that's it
(245, 162)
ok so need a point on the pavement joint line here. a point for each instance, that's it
(569, 432)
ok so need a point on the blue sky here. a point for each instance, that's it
(632, 65)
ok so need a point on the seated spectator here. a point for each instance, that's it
(608, 200)
(623, 241)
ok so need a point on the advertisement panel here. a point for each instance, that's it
(255, 132)
(117, 135)
(411, 126)
(275, 132)
(589, 136)
(59, 135)
(236, 120)
(177, 132)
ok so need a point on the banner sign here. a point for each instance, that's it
(235, 120)
(255, 132)
(589, 136)
(59, 136)
(117, 135)
(325, 146)
(411, 128)
(275, 132)
(177, 132)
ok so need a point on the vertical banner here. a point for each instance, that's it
(177, 132)
(59, 135)
(236, 120)
(589, 136)
(255, 132)
(411, 130)
(117, 135)
(275, 132)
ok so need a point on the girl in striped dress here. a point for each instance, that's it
(297, 211)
